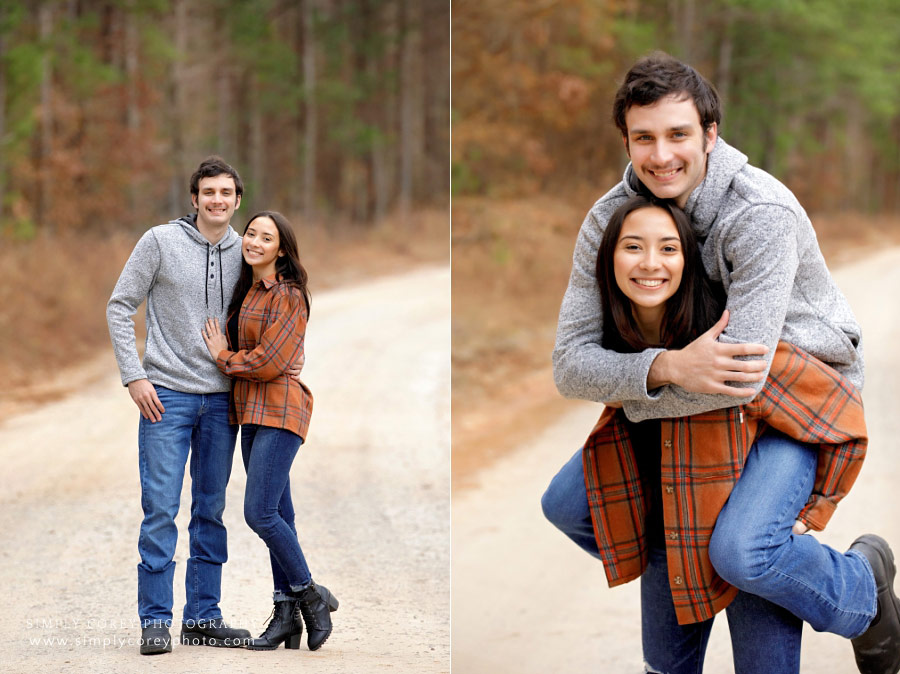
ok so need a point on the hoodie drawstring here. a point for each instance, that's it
(221, 282)
(205, 280)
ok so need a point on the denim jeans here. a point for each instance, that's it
(268, 454)
(195, 424)
(752, 546)
(765, 638)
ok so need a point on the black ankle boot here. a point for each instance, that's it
(315, 604)
(284, 626)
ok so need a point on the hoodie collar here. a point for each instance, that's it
(189, 224)
(705, 201)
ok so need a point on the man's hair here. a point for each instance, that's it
(659, 75)
(211, 167)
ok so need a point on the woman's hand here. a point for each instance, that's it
(215, 340)
(799, 528)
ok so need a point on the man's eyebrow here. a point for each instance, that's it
(680, 127)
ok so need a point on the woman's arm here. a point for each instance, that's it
(280, 345)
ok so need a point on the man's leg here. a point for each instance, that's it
(162, 452)
(668, 647)
(212, 451)
(565, 504)
(753, 548)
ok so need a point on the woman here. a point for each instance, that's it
(265, 332)
(653, 490)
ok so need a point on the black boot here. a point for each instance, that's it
(315, 603)
(877, 649)
(284, 626)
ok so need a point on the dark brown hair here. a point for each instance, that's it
(659, 75)
(287, 267)
(694, 308)
(214, 166)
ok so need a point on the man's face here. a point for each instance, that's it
(667, 147)
(216, 201)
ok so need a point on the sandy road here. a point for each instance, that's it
(371, 489)
(526, 600)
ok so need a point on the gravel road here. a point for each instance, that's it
(371, 489)
(526, 600)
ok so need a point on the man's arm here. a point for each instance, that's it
(761, 251)
(583, 369)
(131, 290)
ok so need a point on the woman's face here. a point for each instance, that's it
(648, 259)
(261, 246)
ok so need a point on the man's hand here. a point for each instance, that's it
(144, 396)
(704, 365)
(799, 528)
(294, 370)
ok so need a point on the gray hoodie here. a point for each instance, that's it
(184, 279)
(758, 242)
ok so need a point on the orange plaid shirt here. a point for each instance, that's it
(702, 459)
(271, 330)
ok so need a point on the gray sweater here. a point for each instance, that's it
(758, 242)
(184, 279)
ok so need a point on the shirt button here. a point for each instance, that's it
(670, 489)
(212, 264)
(679, 580)
(212, 276)
(673, 536)
(668, 444)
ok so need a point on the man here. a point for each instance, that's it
(759, 243)
(186, 271)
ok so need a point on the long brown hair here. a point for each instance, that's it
(287, 267)
(691, 311)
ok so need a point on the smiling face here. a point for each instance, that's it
(261, 246)
(648, 263)
(667, 147)
(216, 201)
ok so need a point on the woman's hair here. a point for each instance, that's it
(694, 308)
(287, 267)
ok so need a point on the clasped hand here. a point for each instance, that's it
(704, 365)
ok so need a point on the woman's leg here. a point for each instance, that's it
(753, 548)
(765, 638)
(668, 647)
(565, 504)
(268, 454)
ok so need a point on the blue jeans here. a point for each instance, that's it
(752, 546)
(765, 638)
(268, 454)
(195, 424)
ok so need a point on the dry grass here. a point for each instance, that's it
(511, 263)
(53, 299)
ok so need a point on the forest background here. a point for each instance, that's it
(811, 94)
(335, 112)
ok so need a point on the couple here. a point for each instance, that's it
(195, 385)
(707, 501)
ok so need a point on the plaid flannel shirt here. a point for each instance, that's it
(271, 330)
(702, 459)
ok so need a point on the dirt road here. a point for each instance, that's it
(526, 600)
(371, 488)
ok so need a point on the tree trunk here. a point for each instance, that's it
(176, 110)
(45, 134)
(311, 130)
(411, 105)
(2, 116)
(133, 110)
